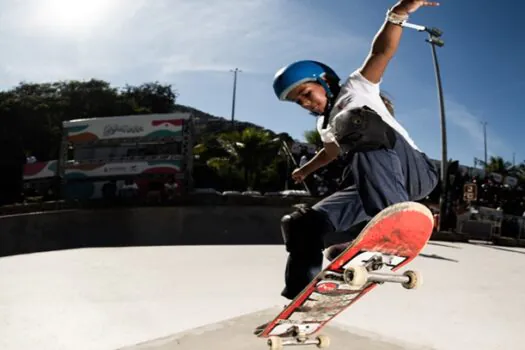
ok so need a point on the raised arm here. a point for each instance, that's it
(386, 41)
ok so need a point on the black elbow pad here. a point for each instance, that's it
(361, 130)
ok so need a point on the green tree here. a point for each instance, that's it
(313, 137)
(39, 109)
(31, 117)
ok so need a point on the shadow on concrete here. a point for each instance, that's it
(444, 245)
(438, 257)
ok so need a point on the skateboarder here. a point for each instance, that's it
(387, 166)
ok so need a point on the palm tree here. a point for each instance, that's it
(250, 151)
(498, 165)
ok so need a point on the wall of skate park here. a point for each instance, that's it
(199, 220)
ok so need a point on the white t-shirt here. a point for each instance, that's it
(357, 92)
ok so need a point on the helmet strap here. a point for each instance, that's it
(326, 87)
(330, 99)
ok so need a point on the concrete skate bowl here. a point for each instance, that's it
(142, 226)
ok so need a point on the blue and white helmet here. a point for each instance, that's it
(289, 77)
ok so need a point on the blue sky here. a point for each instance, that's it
(193, 44)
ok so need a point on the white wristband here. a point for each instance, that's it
(395, 18)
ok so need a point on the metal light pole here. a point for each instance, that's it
(235, 71)
(434, 40)
(443, 205)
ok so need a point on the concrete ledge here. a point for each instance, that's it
(146, 226)
(124, 226)
(195, 220)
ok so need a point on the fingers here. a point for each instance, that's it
(430, 3)
(298, 179)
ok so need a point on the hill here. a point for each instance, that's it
(206, 124)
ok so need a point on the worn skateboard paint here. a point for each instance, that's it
(400, 231)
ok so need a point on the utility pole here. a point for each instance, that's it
(485, 140)
(235, 71)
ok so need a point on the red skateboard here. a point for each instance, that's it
(392, 239)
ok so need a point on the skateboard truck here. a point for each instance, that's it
(357, 276)
(298, 338)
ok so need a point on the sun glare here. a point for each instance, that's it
(71, 14)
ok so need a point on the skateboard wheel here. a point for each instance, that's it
(275, 343)
(323, 341)
(356, 276)
(415, 280)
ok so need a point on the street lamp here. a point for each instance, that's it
(434, 40)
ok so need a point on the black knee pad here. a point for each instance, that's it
(303, 230)
(361, 130)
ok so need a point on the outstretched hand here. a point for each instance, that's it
(411, 6)
(298, 175)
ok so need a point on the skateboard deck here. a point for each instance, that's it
(392, 239)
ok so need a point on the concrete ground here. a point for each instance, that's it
(212, 297)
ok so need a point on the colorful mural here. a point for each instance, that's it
(149, 126)
(86, 178)
(40, 170)
(79, 186)
(84, 170)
